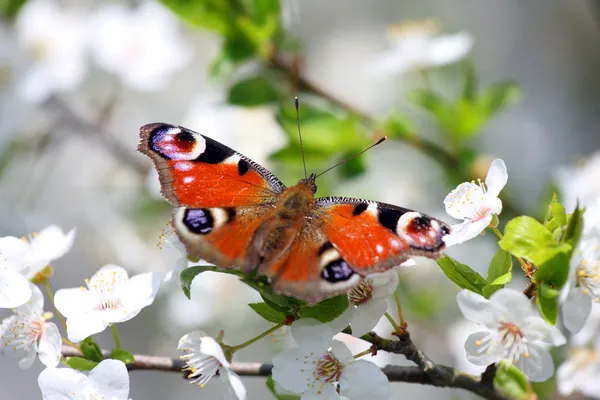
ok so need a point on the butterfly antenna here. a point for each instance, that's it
(383, 139)
(300, 135)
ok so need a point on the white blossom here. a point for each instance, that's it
(580, 373)
(204, 358)
(55, 41)
(109, 380)
(476, 204)
(417, 46)
(143, 46)
(583, 285)
(317, 364)
(579, 183)
(369, 300)
(28, 333)
(456, 337)
(510, 330)
(110, 297)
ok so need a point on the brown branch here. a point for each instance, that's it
(425, 373)
(429, 373)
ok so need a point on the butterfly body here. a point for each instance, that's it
(232, 212)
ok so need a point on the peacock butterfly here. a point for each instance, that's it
(232, 212)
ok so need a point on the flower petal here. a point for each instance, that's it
(476, 355)
(141, 290)
(109, 271)
(60, 383)
(468, 230)
(49, 348)
(210, 347)
(385, 283)
(476, 308)
(15, 289)
(538, 367)
(111, 379)
(341, 322)
(465, 201)
(496, 178)
(239, 390)
(324, 391)
(74, 301)
(293, 369)
(448, 49)
(81, 326)
(364, 380)
(51, 243)
(341, 352)
(13, 250)
(29, 358)
(367, 315)
(312, 335)
(516, 304)
(576, 309)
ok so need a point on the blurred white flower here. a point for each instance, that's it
(476, 204)
(55, 41)
(318, 364)
(253, 131)
(111, 297)
(27, 333)
(416, 45)
(589, 333)
(143, 46)
(580, 373)
(14, 287)
(204, 358)
(457, 336)
(583, 285)
(108, 380)
(369, 300)
(579, 182)
(39, 251)
(509, 330)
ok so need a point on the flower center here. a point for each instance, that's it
(362, 293)
(329, 369)
(588, 278)
(200, 367)
(481, 213)
(107, 289)
(26, 331)
(510, 337)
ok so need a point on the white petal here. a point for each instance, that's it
(476, 308)
(341, 352)
(81, 326)
(517, 305)
(74, 301)
(364, 380)
(465, 201)
(567, 377)
(13, 250)
(312, 335)
(576, 309)
(239, 390)
(109, 270)
(35, 303)
(27, 361)
(111, 379)
(473, 345)
(293, 370)
(448, 49)
(341, 322)
(141, 290)
(210, 347)
(60, 383)
(49, 348)
(14, 289)
(325, 391)
(468, 230)
(496, 178)
(538, 367)
(51, 243)
(367, 315)
(385, 283)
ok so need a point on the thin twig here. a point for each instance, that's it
(439, 375)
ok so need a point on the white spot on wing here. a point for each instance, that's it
(403, 222)
(372, 208)
(219, 217)
(379, 249)
(234, 159)
(188, 179)
(183, 166)
(329, 256)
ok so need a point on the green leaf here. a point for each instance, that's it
(122, 355)
(499, 271)
(91, 350)
(470, 88)
(547, 302)
(574, 227)
(10, 8)
(268, 313)
(252, 92)
(462, 274)
(271, 386)
(214, 15)
(187, 275)
(399, 127)
(512, 381)
(326, 310)
(526, 237)
(554, 271)
(354, 167)
(498, 96)
(80, 364)
(263, 9)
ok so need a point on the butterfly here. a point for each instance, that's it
(234, 213)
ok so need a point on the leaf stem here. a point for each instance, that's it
(256, 339)
(400, 313)
(69, 343)
(524, 266)
(363, 353)
(116, 336)
(50, 292)
(392, 322)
